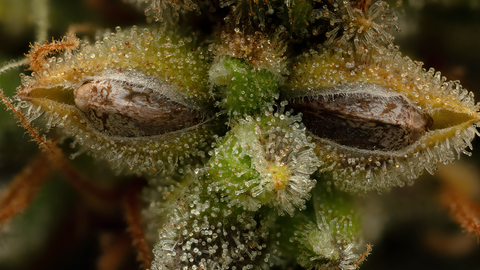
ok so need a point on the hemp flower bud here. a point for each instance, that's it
(265, 160)
(202, 232)
(333, 241)
(248, 70)
(380, 122)
(136, 98)
(244, 89)
(361, 26)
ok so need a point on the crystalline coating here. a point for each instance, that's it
(202, 232)
(267, 160)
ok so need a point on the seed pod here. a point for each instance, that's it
(364, 116)
(139, 100)
(119, 108)
(378, 123)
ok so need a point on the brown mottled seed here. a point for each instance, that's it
(126, 109)
(370, 118)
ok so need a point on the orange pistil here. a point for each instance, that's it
(23, 188)
(132, 214)
(463, 209)
(38, 52)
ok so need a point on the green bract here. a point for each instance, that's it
(244, 89)
(265, 160)
(333, 240)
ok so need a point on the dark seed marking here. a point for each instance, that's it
(364, 120)
(130, 110)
